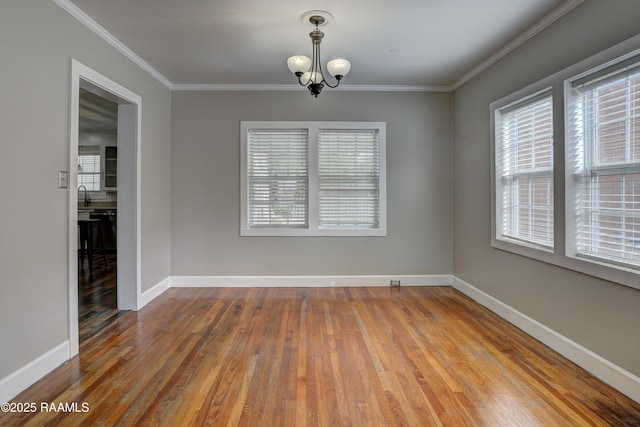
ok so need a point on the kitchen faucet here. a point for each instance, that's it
(86, 199)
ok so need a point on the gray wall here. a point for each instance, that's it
(205, 186)
(38, 41)
(600, 315)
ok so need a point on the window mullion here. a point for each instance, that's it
(594, 215)
(515, 208)
(530, 201)
(627, 122)
(313, 188)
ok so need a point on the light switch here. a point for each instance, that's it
(63, 179)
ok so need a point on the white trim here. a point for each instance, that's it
(521, 97)
(88, 22)
(307, 281)
(85, 19)
(72, 231)
(297, 87)
(555, 15)
(129, 230)
(154, 292)
(619, 378)
(130, 263)
(18, 381)
(499, 112)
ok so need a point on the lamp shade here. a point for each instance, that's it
(338, 67)
(299, 63)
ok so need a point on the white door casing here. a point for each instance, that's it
(129, 275)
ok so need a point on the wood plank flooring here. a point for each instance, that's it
(320, 357)
(97, 296)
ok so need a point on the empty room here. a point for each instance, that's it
(256, 213)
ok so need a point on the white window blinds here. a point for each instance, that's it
(349, 178)
(89, 167)
(313, 178)
(604, 152)
(277, 178)
(524, 171)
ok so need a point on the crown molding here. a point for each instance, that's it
(396, 88)
(85, 19)
(232, 87)
(296, 87)
(558, 13)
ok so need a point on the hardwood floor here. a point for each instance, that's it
(97, 296)
(326, 357)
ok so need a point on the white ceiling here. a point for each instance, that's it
(427, 43)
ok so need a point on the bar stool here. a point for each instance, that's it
(87, 226)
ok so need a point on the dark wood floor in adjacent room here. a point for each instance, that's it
(97, 296)
(326, 357)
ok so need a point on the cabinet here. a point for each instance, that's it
(110, 168)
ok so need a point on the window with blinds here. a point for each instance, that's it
(313, 179)
(349, 178)
(89, 167)
(604, 155)
(524, 171)
(277, 178)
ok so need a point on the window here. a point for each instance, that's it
(524, 171)
(603, 149)
(313, 179)
(89, 167)
(349, 178)
(277, 178)
(588, 115)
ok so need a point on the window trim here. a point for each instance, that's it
(312, 175)
(563, 255)
(589, 171)
(499, 108)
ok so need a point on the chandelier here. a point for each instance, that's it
(309, 71)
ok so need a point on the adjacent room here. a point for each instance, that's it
(356, 213)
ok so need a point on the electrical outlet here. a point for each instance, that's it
(395, 283)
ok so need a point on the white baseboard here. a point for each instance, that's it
(20, 380)
(306, 281)
(150, 294)
(598, 366)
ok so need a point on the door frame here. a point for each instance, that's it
(129, 276)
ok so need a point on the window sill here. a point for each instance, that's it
(292, 232)
(613, 273)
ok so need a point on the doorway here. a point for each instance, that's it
(97, 213)
(124, 196)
